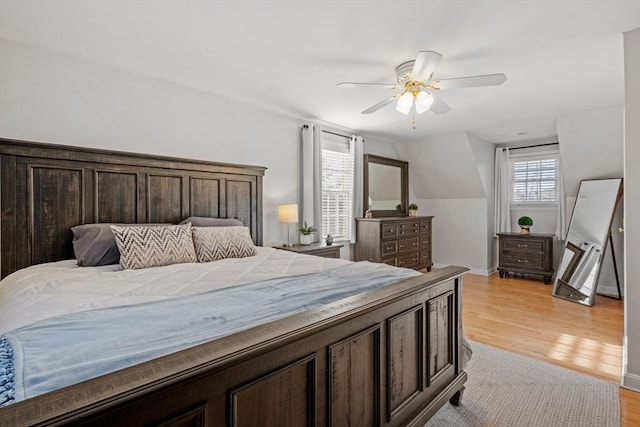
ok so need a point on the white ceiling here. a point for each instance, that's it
(287, 56)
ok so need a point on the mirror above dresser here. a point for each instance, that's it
(385, 186)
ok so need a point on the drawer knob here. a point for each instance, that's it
(523, 246)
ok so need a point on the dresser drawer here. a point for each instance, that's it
(405, 245)
(389, 248)
(425, 226)
(528, 261)
(425, 241)
(389, 230)
(425, 258)
(409, 228)
(522, 245)
(391, 261)
(408, 260)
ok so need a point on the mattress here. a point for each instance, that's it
(56, 288)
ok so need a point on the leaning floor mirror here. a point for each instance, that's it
(587, 239)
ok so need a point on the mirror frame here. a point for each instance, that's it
(561, 287)
(404, 185)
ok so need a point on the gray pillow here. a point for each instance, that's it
(205, 221)
(95, 244)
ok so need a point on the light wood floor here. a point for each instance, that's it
(521, 316)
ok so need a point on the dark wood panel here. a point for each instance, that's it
(405, 352)
(207, 197)
(285, 398)
(441, 336)
(354, 383)
(8, 230)
(164, 198)
(195, 417)
(116, 197)
(57, 205)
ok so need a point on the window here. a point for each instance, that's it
(337, 187)
(534, 180)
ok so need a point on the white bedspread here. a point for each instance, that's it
(51, 289)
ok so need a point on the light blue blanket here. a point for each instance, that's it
(67, 349)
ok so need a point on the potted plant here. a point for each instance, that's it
(306, 233)
(413, 209)
(525, 222)
(398, 207)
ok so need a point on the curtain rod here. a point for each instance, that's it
(305, 127)
(532, 146)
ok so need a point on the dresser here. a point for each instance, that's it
(318, 249)
(526, 254)
(399, 241)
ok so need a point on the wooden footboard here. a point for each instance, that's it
(389, 357)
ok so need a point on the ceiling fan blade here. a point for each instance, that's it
(460, 82)
(379, 105)
(439, 106)
(426, 63)
(380, 85)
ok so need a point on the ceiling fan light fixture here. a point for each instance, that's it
(423, 101)
(404, 103)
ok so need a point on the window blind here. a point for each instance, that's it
(534, 180)
(337, 188)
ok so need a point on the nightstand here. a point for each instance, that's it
(526, 254)
(318, 249)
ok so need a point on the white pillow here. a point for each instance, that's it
(215, 243)
(142, 247)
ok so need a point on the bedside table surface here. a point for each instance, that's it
(320, 249)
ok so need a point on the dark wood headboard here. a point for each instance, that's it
(45, 189)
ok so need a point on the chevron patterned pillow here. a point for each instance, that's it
(142, 247)
(215, 243)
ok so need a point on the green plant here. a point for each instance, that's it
(398, 207)
(413, 207)
(307, 229)
(525, 221)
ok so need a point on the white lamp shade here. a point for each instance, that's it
(404, 103)
(288, 213)
(423, 101)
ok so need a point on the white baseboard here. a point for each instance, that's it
(477, 271)
(630, 381)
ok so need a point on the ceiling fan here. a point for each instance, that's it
(418, 88)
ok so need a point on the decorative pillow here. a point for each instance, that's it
(205, 221)
(215, 243)
(142, 247)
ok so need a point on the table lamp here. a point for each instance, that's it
(288, 214)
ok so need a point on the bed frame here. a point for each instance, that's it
(388, 357)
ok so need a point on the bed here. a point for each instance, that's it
(383, 354)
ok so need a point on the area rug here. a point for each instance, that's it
(506, 389)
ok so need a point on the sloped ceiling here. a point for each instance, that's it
(443, 168)
(287, 56)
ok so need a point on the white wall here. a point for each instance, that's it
(459, 232)
(632, 208)
(591, 145)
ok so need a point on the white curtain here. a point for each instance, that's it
(561, 224)
(356, 147)
(311, 188)
(502, 191)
